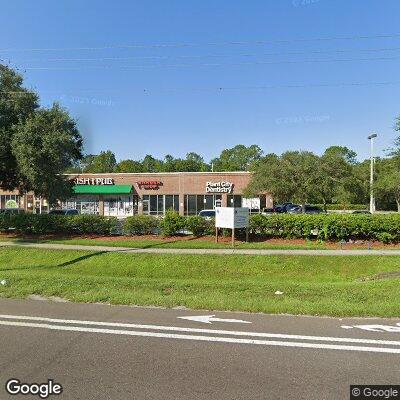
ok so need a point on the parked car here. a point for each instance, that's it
(285, 207)
(71, 211)
(307, 210)
(207, 214)
(12, 211)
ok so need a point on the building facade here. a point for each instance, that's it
(125, 194)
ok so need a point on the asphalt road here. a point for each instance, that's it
(115, 352)
(260, 252)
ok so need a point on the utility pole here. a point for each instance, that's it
(371, 181)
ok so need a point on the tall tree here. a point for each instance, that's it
(238, 158)
(129, 166)
(43, 146)
(104, 162)
(289, 177)
(36, 145)
(344, 152)
(151, 164)
(333, 176)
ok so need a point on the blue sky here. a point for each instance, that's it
(173, 76)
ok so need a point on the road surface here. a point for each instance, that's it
(118, 352)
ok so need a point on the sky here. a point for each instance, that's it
(174, 76)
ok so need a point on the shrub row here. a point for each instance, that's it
(49, 224)
(172, 224)
(332, 227)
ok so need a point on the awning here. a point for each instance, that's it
(102, 189)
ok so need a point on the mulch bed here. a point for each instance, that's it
(273, 242)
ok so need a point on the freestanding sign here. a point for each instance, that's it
(231, 218)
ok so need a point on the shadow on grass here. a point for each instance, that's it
(160, 244)
(61, 265)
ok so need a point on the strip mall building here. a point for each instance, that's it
(125, 194)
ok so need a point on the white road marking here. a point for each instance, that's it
(203, 338)
(375, 328)
(208, 319)
(190, 330)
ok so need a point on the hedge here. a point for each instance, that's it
(49, 224)
(330, 227)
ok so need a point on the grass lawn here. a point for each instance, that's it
(311, 285)
(187, 243)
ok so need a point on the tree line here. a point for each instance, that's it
(238, 158)
(38, 145)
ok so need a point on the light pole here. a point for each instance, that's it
(371, 181)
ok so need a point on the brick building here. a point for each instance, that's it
(124, 194)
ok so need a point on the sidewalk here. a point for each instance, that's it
(264, 252)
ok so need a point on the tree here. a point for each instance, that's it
(388, 181)
(289, 177)
(238, 158)
(16, 104)
(43, 146)
(104, 162)
(333, 176)
(129, 166)
(151, 164)
(36, 144)
(344, 152)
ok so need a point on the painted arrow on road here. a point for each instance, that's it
(209, 319)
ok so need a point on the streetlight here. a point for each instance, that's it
(371, 181)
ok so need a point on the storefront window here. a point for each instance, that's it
(10, 201)
(120, 206)
(234, 200)
(195, 203)
(158, 204)
(84, 205)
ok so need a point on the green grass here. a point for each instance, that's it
(311, 285)
(174, 244)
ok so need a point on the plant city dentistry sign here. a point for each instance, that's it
(219, 187)
(94, 181)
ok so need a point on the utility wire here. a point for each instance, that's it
(212, 55)
(232, 88)
(229, 43)
(127, 67)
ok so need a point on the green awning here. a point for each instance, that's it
(102, 189)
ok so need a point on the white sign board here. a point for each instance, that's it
(231, 218)
(253, 203)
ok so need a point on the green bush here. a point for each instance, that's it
(140, 225)
(195, 224)
(172, 223)
(90, 224)
(50, 224)
(333, 227)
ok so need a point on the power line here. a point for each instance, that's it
(384, 49)
(232, 88)
(228, 43)
(127, 67)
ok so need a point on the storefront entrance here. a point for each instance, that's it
(120, 206)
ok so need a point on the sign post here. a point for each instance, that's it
(231, 218)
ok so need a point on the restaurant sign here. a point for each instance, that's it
(149, 185)
(94, 181)
(219, 187)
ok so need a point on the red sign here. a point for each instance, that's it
(149, 185)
